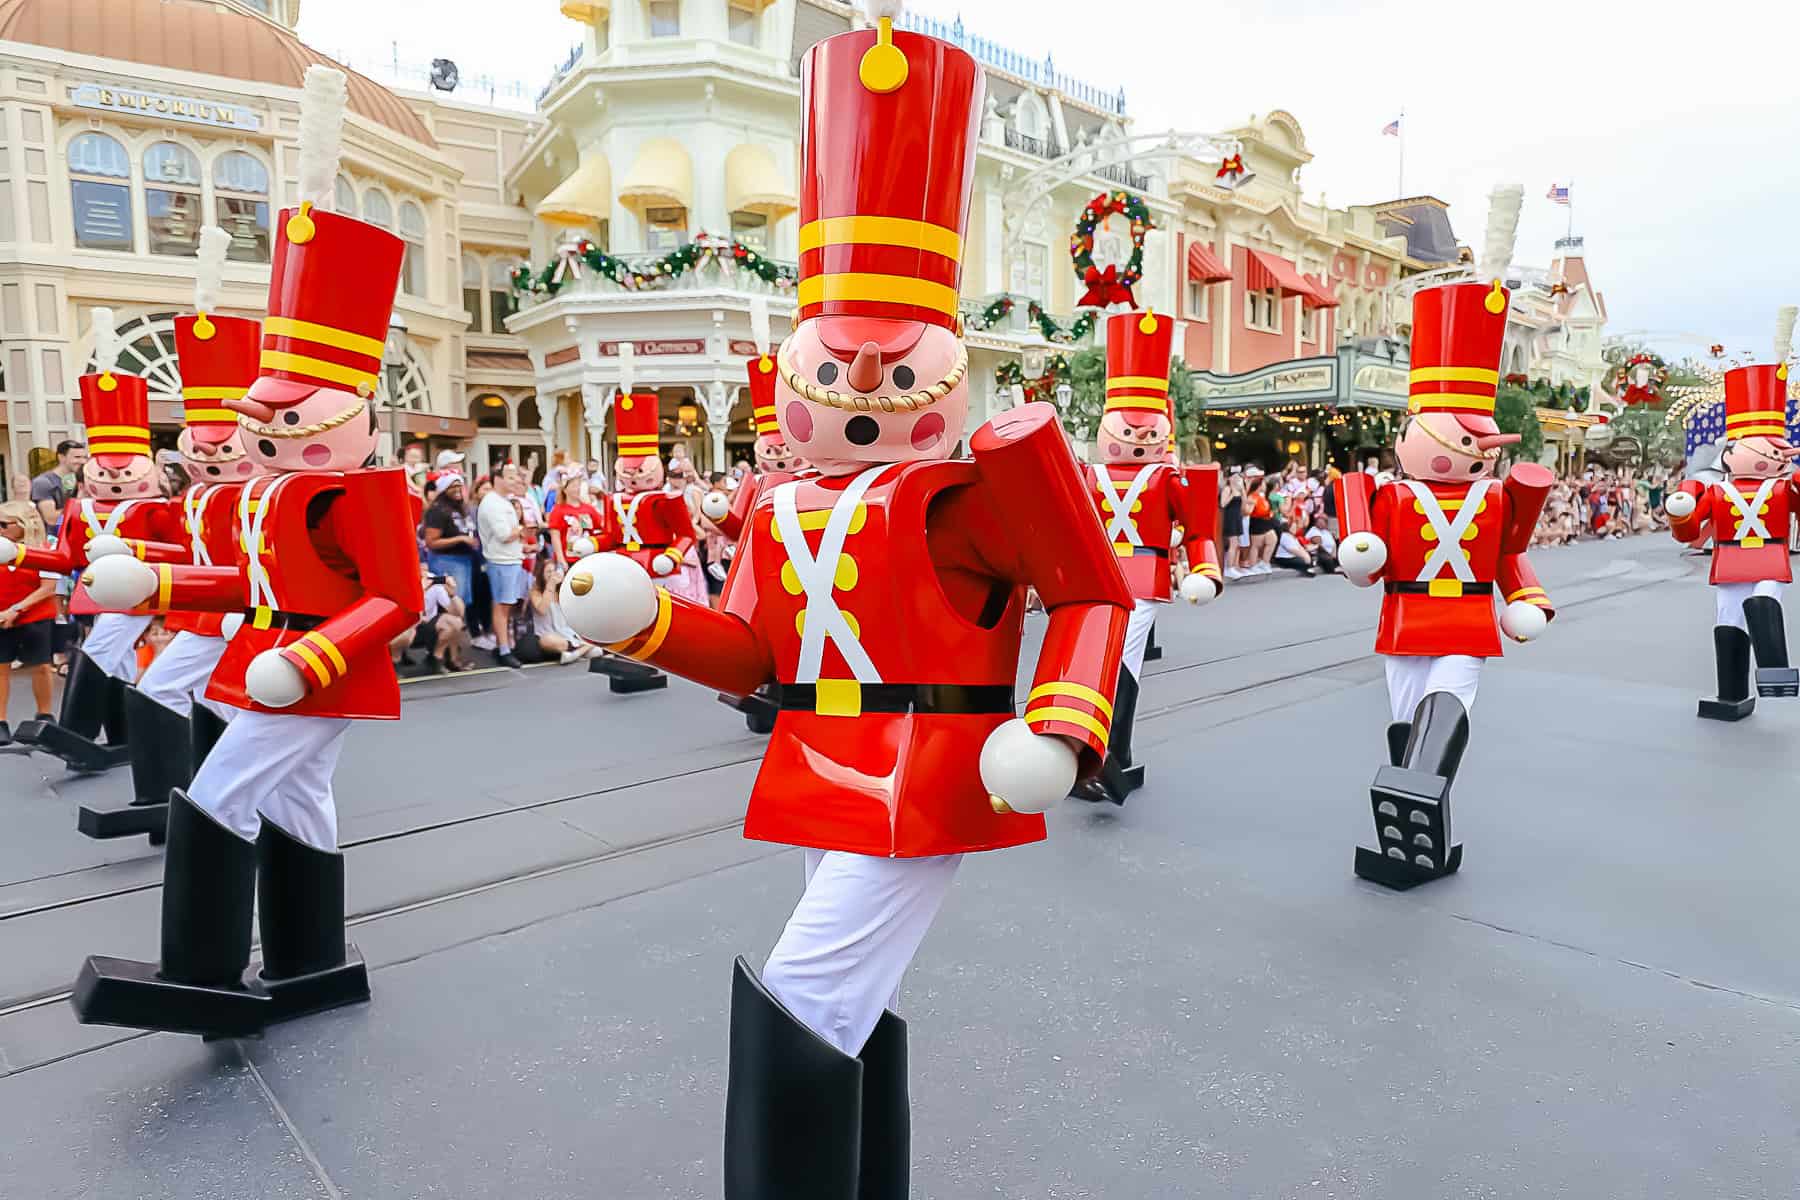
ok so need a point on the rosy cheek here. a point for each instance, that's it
(928, 432)
(1441, 464)
(1113, 449)
(1762, 466)
(316, 455)
(798, 422)
(243, 467)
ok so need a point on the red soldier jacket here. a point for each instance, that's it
(644, 524)
(895, 639)
(1452, 548)
(733, 523)
(328, 573)
(209, 514)
(151, 527)
(1749, 520)
(1140, 507)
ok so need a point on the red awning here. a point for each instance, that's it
(1321, 294)
(1203, 266)
(1267, 271)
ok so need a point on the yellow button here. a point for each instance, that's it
(847, 574)
(838, 698)
(1471, 533)
(1429, 534)
(850, 620)
(790, 579)
(1446, 587)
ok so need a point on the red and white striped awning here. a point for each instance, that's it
(1267, 271)
(1322, 296)
(1203, 266)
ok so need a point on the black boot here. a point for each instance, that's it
(87, 703)
(1152, 651)
(886, 1113)
(793, 1104)
(1119, 774)
(205, 728)
(209, 887)
(159, 765)
(627, 676)
(1731, 654)
(1397, 734)
(1768, 635)
(1411, 801)
(306, 965)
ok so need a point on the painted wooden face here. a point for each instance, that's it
(325, 430)
(1130, 437)
(860, 404)
(129, 479)
(1434, 445)
(774, 454)
(1759, 456)
(217, 462)
(634, 475)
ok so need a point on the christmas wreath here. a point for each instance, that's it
(1111, 285)
(1626, 387)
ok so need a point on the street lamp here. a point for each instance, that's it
(393, 364)
(1065, 396)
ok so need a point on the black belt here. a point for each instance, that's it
(1420, 587)
(907, 697)
(1158, 551)
(268, 618)
(1759, 542)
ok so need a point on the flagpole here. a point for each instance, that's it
(1400, 181)
(1569, 230)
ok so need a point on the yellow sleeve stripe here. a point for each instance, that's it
(325, 644)
(651, 642)
(1070, 716)
(1080, 691)
(1206, 569)
(1522, 593)
(313, 662)
(138, 550)
(165, 586)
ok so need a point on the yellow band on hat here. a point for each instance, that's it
(1431, 401)
(220, 415)
(325, 335)
(885, 289)
(140, 448)
(1771, 430)
(1454, 375)
(122, 431)
(1147, 382)
(213, 393)
(281, 360)
(1756, 414)
(881, 231)
(1146, 403)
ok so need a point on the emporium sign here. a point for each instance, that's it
(190, 109)
(1309, 379)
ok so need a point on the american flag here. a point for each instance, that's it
(1557, 195)
(1706, 424)
(1391, 129)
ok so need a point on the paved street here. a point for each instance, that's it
(1192, 996)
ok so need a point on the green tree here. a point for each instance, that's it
(1663, 440)
(1087, 381)
(1515, 411)
(1190, 418)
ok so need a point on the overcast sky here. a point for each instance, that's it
(1677, 125)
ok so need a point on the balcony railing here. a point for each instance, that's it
(1041, 72)
(1036, 146)
(1125, 177)
(556, 77)
(711, 274)
(394, 71)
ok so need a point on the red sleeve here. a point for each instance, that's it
(1693, 527)
(719, 650)
(1194, 499)
(1522, 496)
(743, 502)
(679, 524)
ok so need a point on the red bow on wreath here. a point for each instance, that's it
(1104, 288)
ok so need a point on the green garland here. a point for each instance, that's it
(1043, 387)
(543, 281)
(1001, 307)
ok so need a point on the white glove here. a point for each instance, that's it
(608, 598)
(1522, 621)
(1198, 588)
(664, 563)
(228, 628)
(1024, 771)
(716, 506)
(581, 547)
(1361, 555)
(118, 583)
(1680, 504)
(9, 551)
(274, 682)
(1177, 536)
(717, 570)
(105, 545)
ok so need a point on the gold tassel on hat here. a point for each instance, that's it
(884, 67)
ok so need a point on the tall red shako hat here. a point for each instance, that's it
(761, 372)
(115, 406)
(635, 417)
(889, 125)
(332, 286)
(1756, 397)
(1459, 330)
(218, 355)
(1137, 363)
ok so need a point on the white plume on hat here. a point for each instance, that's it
(878, 9)
(627, 368)
(323, 98)
(1784, 331)
(107, 343)
(759, 323)
(1504, 204)
(209, 275)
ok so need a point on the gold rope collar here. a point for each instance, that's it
(285, 432)
(852, 402)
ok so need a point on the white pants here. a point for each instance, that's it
(112, 643)
(177, 679)
(1410, 678)
(1137, 636)
(278, 767)
(1731, 597)
(853, 934)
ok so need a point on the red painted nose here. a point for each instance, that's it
(865, 371)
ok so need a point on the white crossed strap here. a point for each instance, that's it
(253, 511)
(193, 515)
(1749, 512)
(818, 574)
(1121, 528)
(1449, 532)
(628, 516)
(104, 524)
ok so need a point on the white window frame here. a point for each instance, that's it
(194, 189)
(650, 18)
(1199, 301)
(1270, 297)
(128, 181)
(743, 15)
(263, 200)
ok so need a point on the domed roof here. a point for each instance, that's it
(207, 37)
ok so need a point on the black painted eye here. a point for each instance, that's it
(828, 373)
(1468, 441)
(292, 418)
(903, 378)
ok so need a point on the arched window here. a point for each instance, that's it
(528, 413)
(345, 197)
(100, 187)
(149, 350)
(500, 297)
(489, 412)
(413, 279)
(241, 186)
(404, 385)
(172, 198)
(377, 210)
(471, 291)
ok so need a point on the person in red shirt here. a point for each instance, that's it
(575, 525)
(27, 614)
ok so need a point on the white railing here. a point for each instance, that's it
(1040, 71)
(415, 75)
(711, 274)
